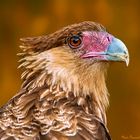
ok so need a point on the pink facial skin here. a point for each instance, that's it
(95, 44)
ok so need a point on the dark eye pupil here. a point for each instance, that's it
(75, 39)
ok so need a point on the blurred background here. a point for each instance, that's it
(38, 17)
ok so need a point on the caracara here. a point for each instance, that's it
(64, 94)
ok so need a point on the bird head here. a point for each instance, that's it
(86, 40)
(75, 56)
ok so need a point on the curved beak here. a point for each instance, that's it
(117, 51)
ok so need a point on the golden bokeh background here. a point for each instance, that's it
(22, 18)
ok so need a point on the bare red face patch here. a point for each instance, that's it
(95, 43)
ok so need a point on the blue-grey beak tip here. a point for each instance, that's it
(117, 51)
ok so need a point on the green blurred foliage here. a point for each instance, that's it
(22, 18)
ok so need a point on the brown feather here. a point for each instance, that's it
(41, 43)
(62, 97)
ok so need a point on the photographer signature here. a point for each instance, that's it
(130, 137)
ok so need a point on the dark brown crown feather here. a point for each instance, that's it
(41, 43)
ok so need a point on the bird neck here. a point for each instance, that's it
(89, 82)
(83, 81)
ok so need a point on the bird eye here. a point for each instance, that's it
(74, 41)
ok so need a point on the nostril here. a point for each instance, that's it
(108, 39)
